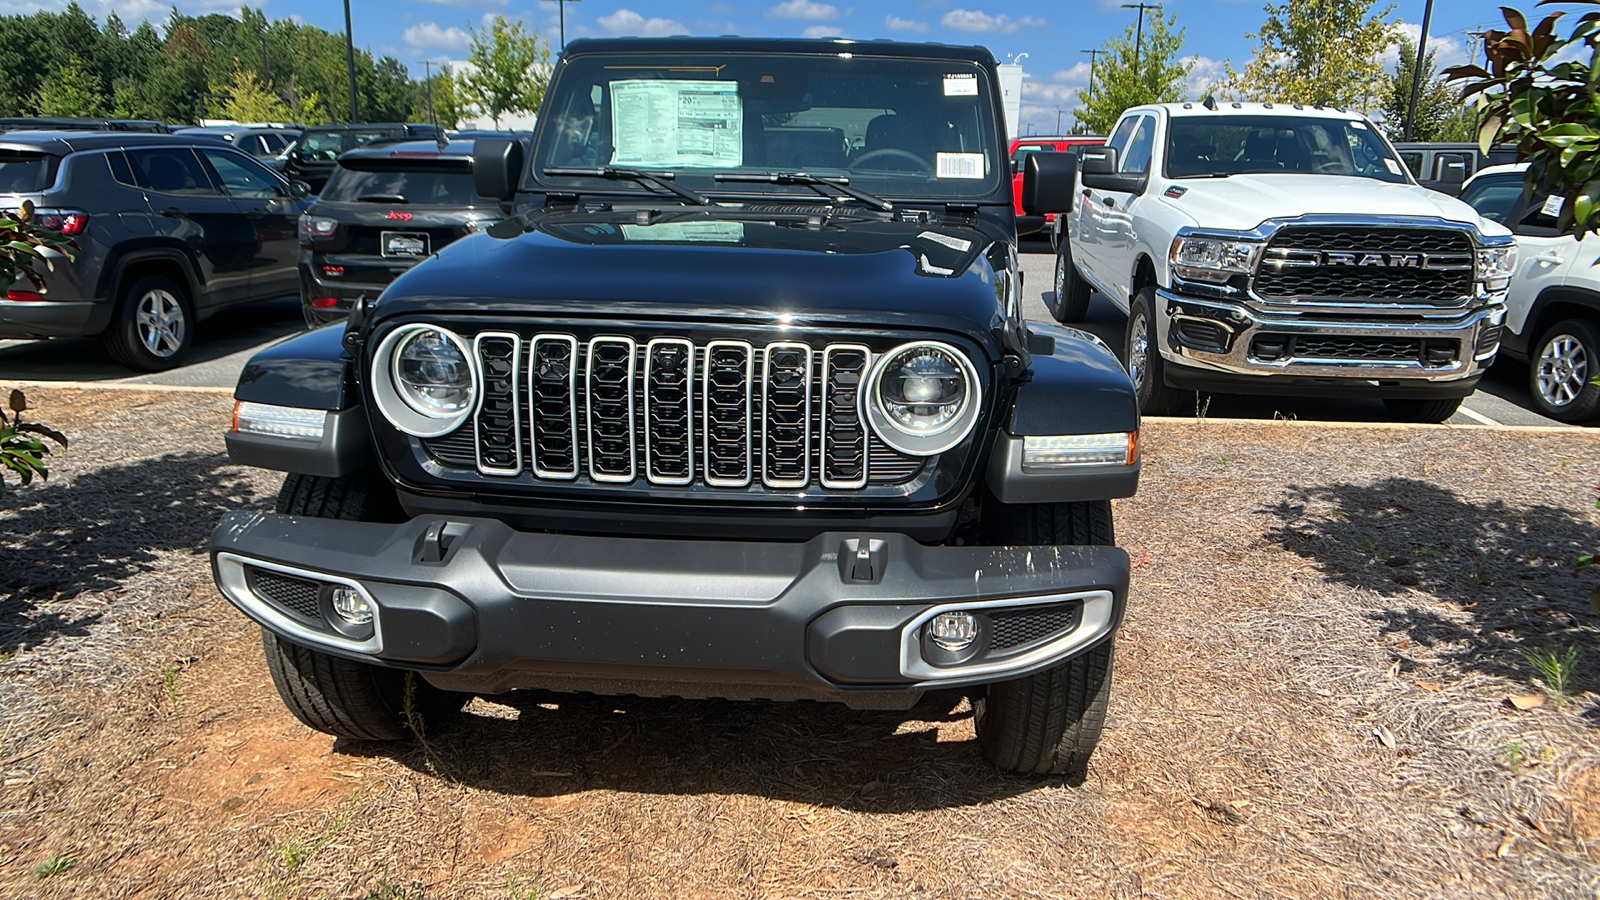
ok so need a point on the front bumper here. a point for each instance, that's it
(1219, 336)
(477, 606)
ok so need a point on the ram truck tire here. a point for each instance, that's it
(1071, 291)
(1562, 371)
(1049, 723)
(1143, 359)
(1428, 412)
(340, 696)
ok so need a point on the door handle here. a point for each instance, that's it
(1549, 256)
(172, 212)
(1111, 203)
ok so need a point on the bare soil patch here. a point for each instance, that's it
(1310, 700)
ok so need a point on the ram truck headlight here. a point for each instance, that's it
(425, 380)
(1212, 260)
(1072, 451)
(1495, 265)
(922, 398)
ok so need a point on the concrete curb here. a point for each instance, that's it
(1385, 426)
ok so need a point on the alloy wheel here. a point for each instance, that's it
(1563, 370)
(1138, 347)
(161, 323)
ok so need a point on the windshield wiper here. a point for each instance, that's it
(661, 180)
(1210, 175)
(816, 181)
(381, 198)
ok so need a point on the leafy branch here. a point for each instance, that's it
(22, 244)
(21, 448)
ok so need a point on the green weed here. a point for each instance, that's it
(1555, 669)
(53, 866)
(169, 676)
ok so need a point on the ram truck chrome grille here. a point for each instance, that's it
(1346, 265)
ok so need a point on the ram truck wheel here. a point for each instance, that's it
(1048, 723)
(1071, 291)
(1429, 412)
(1142, 356)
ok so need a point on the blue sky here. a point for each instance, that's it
(1050, 34)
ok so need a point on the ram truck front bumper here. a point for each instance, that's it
(474, 605)
(1222, 345)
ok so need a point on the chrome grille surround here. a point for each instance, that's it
(786, 416)
(727, 413)
(669, 411)
(497, 423)
(608, 386)
(843, 429)
(553, 405)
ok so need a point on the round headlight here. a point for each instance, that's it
(921, 398)
(433, 374)
(424, 380)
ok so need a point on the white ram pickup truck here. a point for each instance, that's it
(1275, 249)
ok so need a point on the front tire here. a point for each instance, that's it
(1142, 354)
(334, 695)
(1426, 412)
(1562, 370)
(152, 327)
(1072, 292)
(1048, 722)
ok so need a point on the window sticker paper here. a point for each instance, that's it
(961, 84)
(958, 165)
(677, 124)
(687, 232)
(1392, 166)
(1552, 205)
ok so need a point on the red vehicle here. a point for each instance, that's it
(1033, 143)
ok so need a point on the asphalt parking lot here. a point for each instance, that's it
(224, 343)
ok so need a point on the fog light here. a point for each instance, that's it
(352, 606)
(953, 631)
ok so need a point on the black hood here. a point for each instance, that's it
(723, 264)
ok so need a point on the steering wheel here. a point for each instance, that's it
(922, 166)
(1329, 167)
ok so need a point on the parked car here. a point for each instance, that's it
(384, 209)
(1020, 148)
(1262, 248)
(170, 229)
(34, 123)
(311, 158)
(263, 142)
(696, 422)
(1553, 306)
(1432, 163)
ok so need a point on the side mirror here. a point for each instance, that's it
(1100, 172)
(1048, 183)
(1450, 170)
(496, 167)
(299, 189)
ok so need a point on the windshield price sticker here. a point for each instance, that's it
(1392, 166)
(1552, 205)
(1361, 126)
(687, 232)
(677, 123)
(958, 165)
(961, 84)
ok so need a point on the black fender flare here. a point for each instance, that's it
(1076, 385)
(311, 371)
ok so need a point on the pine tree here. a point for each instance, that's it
(71, 91)
(1436, 102)
(1159, 78)
(1316, 52)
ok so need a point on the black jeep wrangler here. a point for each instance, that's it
(737, 402)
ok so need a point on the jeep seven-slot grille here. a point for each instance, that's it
(727, 413)
(1394, 266)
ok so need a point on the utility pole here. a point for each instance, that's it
(563, 5)
(1416, 71)
(1058, 118)
(1093, 55)
(433, 115)
(1138, 35)
(350, 61)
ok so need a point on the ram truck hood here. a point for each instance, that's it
(1243, 202)
(709, 266)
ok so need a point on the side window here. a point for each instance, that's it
(242, 177)
(1495, 197)
(1413, 161)
(1137, 160)
(1119, 139)
(274, 143)
(120, 169)
(170, 170)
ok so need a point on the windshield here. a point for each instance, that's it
(327, 145)
(895, 127)
(1251, 145)
(420, 185)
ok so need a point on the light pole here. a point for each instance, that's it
(1093, 55)
(1058, 118)
(350, 61)
(433, 116)
(1138, 35)
(563, 5)
(1416, 71)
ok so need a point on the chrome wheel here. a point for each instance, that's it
(1138, 348)
(1061, 280)
(161, 324)
(1563, 370)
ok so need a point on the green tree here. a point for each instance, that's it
(1317, 52)
(1118, 85)
(71, 91)
(1437, 104)
(447, 109)
(511, 69)
(250, 101)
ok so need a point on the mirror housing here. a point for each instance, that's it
(1048, 183)
(299, 189)
(1450, 170)
(1100, 172)
(496, 167)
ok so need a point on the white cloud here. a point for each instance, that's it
(1046, 92)
(467, 4)
(823, 31)
(430, 37)
(983, 23)
(1204, 75)
(895, 23)
(626, 21)
(804, 9)
(1449, 50)
(1077, 75)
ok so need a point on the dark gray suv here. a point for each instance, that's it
(170, 229)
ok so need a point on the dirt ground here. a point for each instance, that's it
(1311, 700)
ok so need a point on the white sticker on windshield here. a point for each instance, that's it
(958, 165)
(677, 123)
(1361, 126)
(961, 84)
(1392, 166)
(1552, 205)
(688, 232)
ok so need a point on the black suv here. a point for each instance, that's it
(314, 155)
(384, 209)
(169, 228)
(265, 142)
(67, 123)
(739, 402)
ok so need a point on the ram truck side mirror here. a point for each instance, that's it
(1100, 172)
(1048, 182)
(496, 167)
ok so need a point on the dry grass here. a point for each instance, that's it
(1304, 599)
